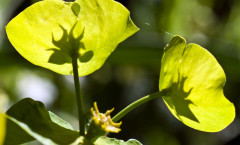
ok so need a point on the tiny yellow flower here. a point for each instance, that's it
(101, 124)
(105, 120)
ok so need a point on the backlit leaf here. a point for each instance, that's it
(50, 32)
(193, 82)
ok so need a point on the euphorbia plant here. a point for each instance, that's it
(76, 38)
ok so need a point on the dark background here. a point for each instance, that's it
(132, 71)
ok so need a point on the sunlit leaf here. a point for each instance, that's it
(193, 82)
(112, 141)
(29, 120)
(50, 32)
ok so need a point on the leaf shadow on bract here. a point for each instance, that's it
(177, 99)
(68, 47)
(75, 9)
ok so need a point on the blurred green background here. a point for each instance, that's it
(132, 71)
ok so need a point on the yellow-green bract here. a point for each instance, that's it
(193, 82)
(50, 32)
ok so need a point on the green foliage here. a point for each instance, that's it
(60, 121)
(193, 82)
(29, 120)
(89, 30)
(78, 37)
(112, 141)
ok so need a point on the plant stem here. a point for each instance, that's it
(136, 104)
(79, 97)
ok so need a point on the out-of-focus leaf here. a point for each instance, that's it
(112, 141)
(2, 127)
(89, 30)
(29, 120)
(193, 81)
(3, 101)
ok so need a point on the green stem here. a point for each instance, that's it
(135, 104)
(79, 97)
